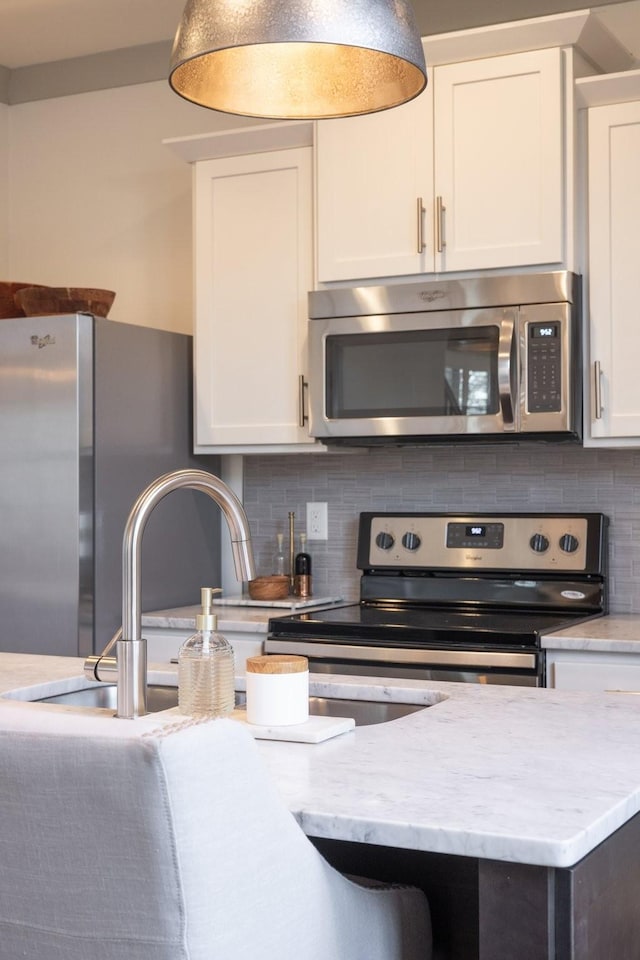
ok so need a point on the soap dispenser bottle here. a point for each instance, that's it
(206, 686)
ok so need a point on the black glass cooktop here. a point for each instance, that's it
(415, 626)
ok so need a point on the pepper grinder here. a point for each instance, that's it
(302, 585)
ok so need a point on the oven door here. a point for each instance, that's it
(515, 668)
(414, 375)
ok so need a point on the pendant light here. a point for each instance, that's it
(297, 59)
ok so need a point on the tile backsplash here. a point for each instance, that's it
(536, 477)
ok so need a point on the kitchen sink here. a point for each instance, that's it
(364, 712)
(160, 697)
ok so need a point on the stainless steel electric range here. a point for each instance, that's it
(456, 597)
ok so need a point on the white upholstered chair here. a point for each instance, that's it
(124, 840)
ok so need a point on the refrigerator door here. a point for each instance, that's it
(143, 428)
(46, 500)
(91, 411)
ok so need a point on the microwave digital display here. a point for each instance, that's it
(546, 331)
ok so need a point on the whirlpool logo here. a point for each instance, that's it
(430, 295)
(41, 342)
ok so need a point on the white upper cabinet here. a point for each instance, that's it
(470, 175)
(613, 161)
(499, 183)
(253, 255)
(374, 175)
(253, 258)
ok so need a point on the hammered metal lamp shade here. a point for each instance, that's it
(297, 59)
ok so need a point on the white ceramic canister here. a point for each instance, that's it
(277, 690)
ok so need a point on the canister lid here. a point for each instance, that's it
(277, 663)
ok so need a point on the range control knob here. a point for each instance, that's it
(384, 540)
(539, 543)
(411, 541)
(568, 543)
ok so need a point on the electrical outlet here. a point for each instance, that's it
(317, 521)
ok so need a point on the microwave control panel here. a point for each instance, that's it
(544, 367)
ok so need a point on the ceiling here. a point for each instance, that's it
(43, 31)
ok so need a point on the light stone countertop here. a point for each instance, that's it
(247, 619)
(507, 773)
(614, 633)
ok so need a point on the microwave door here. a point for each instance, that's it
(413, 375)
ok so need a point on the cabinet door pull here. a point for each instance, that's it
(440, 211)
(420, 215)
(597, 390)
(303, 417)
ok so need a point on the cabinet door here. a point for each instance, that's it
(579, 672)
(373, 174)
(499, 161)
(614, 274)
(253, 250)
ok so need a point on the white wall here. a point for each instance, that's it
(97, 200)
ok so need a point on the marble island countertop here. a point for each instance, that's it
(505, 773)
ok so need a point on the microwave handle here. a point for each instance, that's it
(505, 361)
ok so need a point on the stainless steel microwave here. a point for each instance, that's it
(490, 358)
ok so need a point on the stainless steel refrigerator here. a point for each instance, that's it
(91, 411)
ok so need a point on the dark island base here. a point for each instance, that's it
(490, 910)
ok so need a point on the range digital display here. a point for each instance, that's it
(476, 531)
(489, 536)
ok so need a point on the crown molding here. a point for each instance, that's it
(100, 71)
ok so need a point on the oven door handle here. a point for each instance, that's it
(506, 359)
(317, 650)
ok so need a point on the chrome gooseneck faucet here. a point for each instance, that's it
(131, 648)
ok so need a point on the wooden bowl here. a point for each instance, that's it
(44, 301)
(8, 305)
(269, 588)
